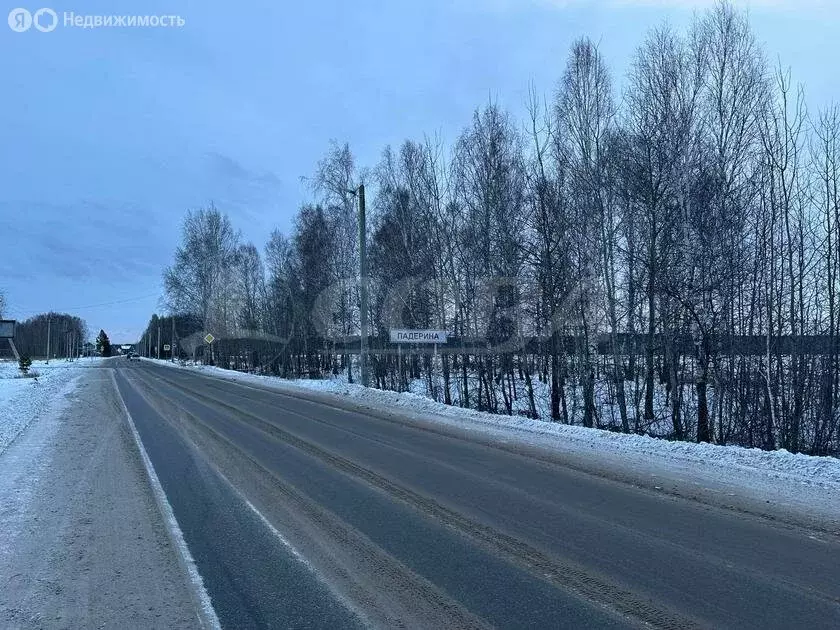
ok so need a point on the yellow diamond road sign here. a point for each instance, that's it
(209, 338)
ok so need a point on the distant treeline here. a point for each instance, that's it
(64, 334)
(159, 333)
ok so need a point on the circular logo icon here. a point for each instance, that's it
(20, 20)
(45, 20)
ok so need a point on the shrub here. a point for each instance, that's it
(24, 363)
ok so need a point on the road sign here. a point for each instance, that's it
(418, 336)
(209, 338)
(166, 347)
(7, 328)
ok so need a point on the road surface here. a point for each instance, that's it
(304, 514)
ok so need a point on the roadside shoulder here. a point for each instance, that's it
(85, 547)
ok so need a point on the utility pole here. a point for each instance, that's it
(172, 342)
(363, 288)
(49, 325)
(157, 350)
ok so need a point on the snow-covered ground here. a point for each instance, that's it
(22, 400)
(82, 544)
(780, 478)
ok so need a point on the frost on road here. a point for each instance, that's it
(82, 543)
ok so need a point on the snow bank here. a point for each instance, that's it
(730, 463)
(22, 400)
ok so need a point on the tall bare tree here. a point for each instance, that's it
(196, 283)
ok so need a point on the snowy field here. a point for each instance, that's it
(22, 400)
(793, 481)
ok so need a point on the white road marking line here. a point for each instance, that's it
(206, 612)
(293, 550)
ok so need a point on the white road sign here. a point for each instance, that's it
(418, 336)
(209, 338)
(166, 347)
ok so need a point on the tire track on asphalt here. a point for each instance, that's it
(418, 601)
(561, 574)
(791, 520)
(707, 556)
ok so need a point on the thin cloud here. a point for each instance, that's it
(82, 241)
(225, 166)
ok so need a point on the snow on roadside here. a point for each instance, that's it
(784, 475)
(23, 400)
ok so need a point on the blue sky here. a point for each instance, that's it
(108, 135)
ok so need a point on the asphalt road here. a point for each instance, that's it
(305, 514)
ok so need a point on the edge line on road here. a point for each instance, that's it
(292, 549)
(206, 613)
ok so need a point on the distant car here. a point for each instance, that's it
(131, 356)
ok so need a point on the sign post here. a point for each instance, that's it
(400, 336)
(209, 338)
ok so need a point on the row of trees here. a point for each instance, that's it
(61, 333)
(182, 333)
(701, 203)
(48, 335)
